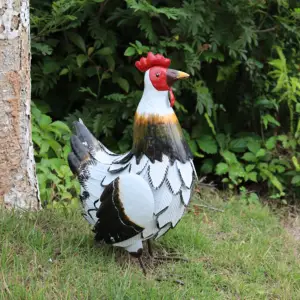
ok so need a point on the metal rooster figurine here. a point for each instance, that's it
(143, 193)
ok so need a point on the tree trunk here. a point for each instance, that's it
(18, 183)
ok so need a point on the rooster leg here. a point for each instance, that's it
(150, 250)
(142, 265)
(138, 255)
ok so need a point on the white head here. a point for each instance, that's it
(158, 82)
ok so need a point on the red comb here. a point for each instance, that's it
(152, 60)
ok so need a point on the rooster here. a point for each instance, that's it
(141, 194)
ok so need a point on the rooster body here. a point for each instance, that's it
(143, 193)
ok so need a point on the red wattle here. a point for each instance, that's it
(172, 97)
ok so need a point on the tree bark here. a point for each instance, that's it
(18, 183)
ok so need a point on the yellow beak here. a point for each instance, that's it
(182, 75)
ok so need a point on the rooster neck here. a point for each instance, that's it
(154, 102)
(157, 134)
(156, 129)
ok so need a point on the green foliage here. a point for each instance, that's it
(239, 110)
(51, 148)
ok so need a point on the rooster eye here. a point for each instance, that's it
(157, 74)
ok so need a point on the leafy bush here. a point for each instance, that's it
(51, 142)
(240, 109)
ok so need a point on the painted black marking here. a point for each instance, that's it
(112, 220)
(89, 210)
(182, 199)
(95, 202)
(83, 176)
(85, 195)
(125, 159)
(162, 211)
(148, 236)
(163, 179)
(145, 166)
(121, 168)
(154, 140)
(170, 187)
(102, 182)
(168, 224)
(181, 177)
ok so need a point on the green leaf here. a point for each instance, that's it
(296, 163)
(61, 126)
(64, 71)
(55, 146)
(253, 146)
(110, 62)
(236, 170)
(271, 143)
(210, 123)
(248, 156)
(296, 180)
(192, 145)
(44, 121)
(44, 148)
(123, 84)
(274, 180)
(139, 44)
(280, 169)
(66, 195)
(81, 59)
(208, 144)
(252, 176)
(77, 40)
(43, 48)
(50, 66)
(284, 139)
(227, 72)
(238, 145)
(204, 98)
(106, 75)
(249, 168)
(104, 51)
(130, 51)
(90, 51)
(88, 90)
(221, 168)
(229, 157)
(207, 166)
(261, 153)
(269, 119)
(222, 140)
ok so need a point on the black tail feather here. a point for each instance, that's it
(74, 163)
(85, 136)
(79, 149)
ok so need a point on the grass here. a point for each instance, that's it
(241, 253)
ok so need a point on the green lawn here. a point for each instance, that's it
(241, 253)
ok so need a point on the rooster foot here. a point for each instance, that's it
(172, 258)
(142, 266)
(138, 255)
(169, 256)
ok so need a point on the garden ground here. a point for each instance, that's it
(239, 251)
